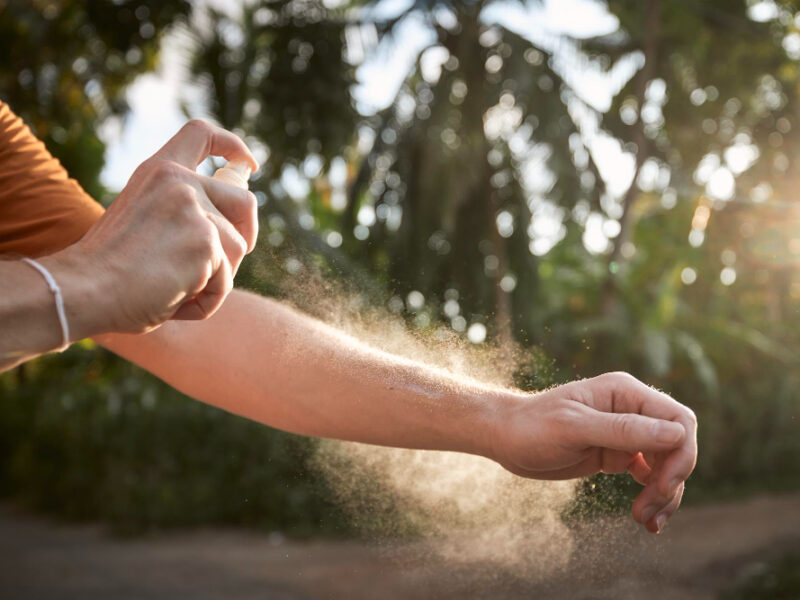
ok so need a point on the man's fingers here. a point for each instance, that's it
(628, 432)
(650, 502)
(622, 393)
(677, 466)
(233, 244)
(617, 461)
(652, 510)
(639, 469)
(657, 522)
(211, 297)
(217, 289)
(664, 514)
(199, 139)
(237, 205)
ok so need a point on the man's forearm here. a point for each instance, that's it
(29, 323)
(261, 359)
(258, 358)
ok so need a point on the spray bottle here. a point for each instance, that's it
(235, 173)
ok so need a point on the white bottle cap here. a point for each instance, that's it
(235, 173)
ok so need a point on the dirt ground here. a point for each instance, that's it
(702, 551)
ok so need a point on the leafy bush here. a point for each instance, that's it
(86, 435)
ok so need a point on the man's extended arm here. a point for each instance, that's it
(168, 247)
(261, 359)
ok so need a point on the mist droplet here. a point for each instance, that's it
(476, 333)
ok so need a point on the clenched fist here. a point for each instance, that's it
(170, 244)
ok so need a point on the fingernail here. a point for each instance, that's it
(669, 433)
(647, 514)
(660, 521)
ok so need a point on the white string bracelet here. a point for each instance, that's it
(54, 287)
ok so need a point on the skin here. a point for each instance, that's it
(178, 235)
(181, 236)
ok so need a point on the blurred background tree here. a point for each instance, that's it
(440, 202)
(66, 66)
(496, 193)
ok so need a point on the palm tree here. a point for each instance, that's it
(444, 176)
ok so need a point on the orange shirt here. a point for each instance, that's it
(42, 209)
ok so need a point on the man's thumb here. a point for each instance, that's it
(630, 432)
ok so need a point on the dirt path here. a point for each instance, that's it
(701, 552)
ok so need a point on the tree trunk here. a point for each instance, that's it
(651, 27)
(502, 299)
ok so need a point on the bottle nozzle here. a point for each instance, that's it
(235, 173)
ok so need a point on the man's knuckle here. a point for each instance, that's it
(250, 202)
(623, 426)
(164, 170)
(656, 429)
(618, 379)
(622, 380)
(240, 207)
(565, 417)
(207, 234)
(241, 248)
(201, 238)
(622, 376)
(198, 125)
(145, 167)
(183, 198)
(200, 277)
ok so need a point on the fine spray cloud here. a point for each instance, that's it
(467, 510)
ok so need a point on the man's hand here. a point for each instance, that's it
(609, 424)
(169, 245)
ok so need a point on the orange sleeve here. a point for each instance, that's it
(42, 209)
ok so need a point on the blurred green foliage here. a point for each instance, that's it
(85, 435)
(436, 197)
(66, 66)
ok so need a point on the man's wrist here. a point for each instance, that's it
(84, 290)
(496, 405)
